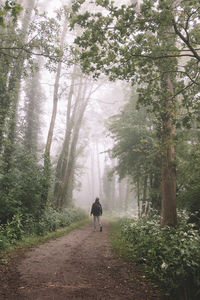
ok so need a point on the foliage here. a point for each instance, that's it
(142, 45)
(135, 144)
(11, 8)
(170, 256)
(22, 186)
(153, 46)
(122, 39)
(53, 219)
(137, 148)
(21, 226)
(189, 176)
(11, 232)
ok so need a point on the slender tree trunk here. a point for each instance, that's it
(33, 100)
(138, 197)
(121, 195)
(66, 181)
(68, 177)
(14, 92)
(47, 158)
(65, 153)
(99, 170)
(92, 171)
(127, 195)
(4, 99)
(168, 171)
(55, 99)
(113, 186)
(144, 199)
(63, 157)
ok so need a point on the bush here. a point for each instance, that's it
(170, 256)
(53, 219)
(49, 221)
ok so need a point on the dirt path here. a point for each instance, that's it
(79, 265)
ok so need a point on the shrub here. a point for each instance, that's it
(14, 229)
(170, 256)
(53, 219)
(49, 221)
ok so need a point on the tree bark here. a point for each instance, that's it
(144, 199)
(127, 195)
(65, 153)
(138, 197)
(14, 84)
(55, 99)
(63, 157)
(65, 187)
(68, 178)
(99, 170)
(168, 170)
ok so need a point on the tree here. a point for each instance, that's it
(67, 160)
(47, 158)
(32, 109)
(137, 149)
(22, 179)
(11, 105)
(55, 94)
(11, 9)
(143, 47)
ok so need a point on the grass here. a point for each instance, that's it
(34, 240)
(119, 246)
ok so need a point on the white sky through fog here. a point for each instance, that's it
(50, 5)
(105, 101)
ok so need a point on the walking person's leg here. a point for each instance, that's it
(94, 221)
(99, 222)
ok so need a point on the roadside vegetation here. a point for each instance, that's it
(169, 257)
(29, 231)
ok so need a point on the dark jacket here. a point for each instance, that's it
(96, 209)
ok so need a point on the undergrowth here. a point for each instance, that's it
(169, 256)
(22, 228)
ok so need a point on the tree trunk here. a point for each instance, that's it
(144, 199)
(99, 170)
(65, 189)
(33, 100)
(55, 99)
(47, 158)
(14, 83)
(92, 171)
(127, 195)
(168, 171)
(138, 197)
(65, 153)
(68, 178)
(63, 157)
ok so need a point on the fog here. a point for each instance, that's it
(94, 162)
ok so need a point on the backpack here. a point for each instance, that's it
(96, 209)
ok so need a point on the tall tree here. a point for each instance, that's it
(55, 95)
(67, 160)
(32, 107)
(13, 86)
(131, 45)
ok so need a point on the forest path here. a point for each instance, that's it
(79, 265)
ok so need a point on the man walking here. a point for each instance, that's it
(96, 211)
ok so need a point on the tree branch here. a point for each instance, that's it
(195, 54)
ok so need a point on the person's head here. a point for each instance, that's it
(97, 199)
